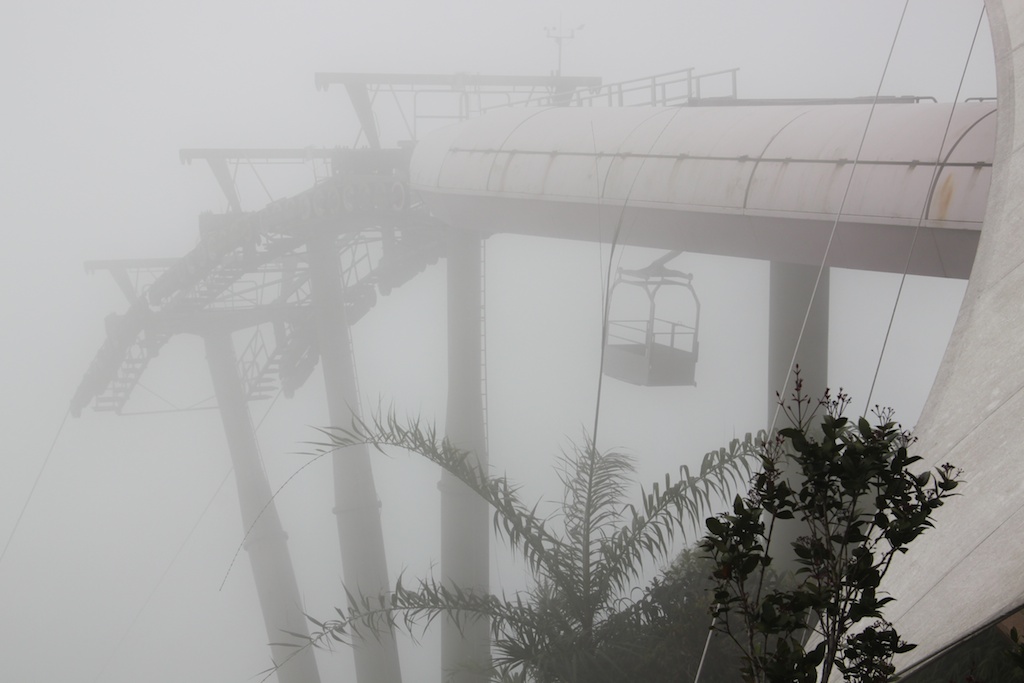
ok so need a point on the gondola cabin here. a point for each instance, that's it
(660, 349)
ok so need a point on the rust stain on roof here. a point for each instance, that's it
(945, 197)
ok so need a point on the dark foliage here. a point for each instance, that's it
(850, 488)
(585, 620)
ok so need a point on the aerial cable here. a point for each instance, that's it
(259, 179)
(924, 209)
(256, 428)
(181, 548)
(616, 235)
(821, 268)
(839, 213)
(598, 198)
(483, 345)
(200, 402)
(981, 540)
(166, 411)
(356, 409)
(35, 484)
(162, 398)
(234, 185)
(163, 575)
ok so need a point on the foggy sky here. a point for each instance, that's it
(97, 100)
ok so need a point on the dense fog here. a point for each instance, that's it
(118, 532)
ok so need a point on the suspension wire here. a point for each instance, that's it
(35, 484)
(598, 194)
(924, 209)
(821, 268)
(200, 402)
(259, 178)
(163, 575)
(606, 291)
(165, 411)
(255, 429)
(704, 652)
(839, 213)
(177, 554)
(234, 184)
(162, 398)
(259, 516)
(181, 548)
(356, 408)
(273, 402)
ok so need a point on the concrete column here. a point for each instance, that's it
(790, 290)
(791, 287)
(465, 518)
(267, 543)
(360, 536)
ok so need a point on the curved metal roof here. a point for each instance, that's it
(758, 181)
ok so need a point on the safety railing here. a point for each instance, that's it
(671, 88)
(664, 332)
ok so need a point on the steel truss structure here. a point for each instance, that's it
(293, 276)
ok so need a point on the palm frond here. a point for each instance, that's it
(414, 609)
(520, 525)
(577, 623)
(678, 506)
(594, 485)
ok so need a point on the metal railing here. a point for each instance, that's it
(665, 89)
(657, 331)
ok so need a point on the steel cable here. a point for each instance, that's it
(821, 268)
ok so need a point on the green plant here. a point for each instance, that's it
(1015, 653)
(849, 487)
(581, 621)
(675, 628)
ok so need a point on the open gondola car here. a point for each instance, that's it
(654, 351)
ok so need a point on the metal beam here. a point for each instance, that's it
(188, 155)
(364, 111)
(219, 168)
(455, 81)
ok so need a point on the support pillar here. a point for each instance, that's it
(790, 290)
(266, 545)
(465, 518)
(360, 535)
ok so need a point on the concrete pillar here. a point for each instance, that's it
(267, 543)
(790, 290)
(465, 518)
(360, 535)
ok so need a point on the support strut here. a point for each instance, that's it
(790, 298)
(266, 544)
(465, 528)
(790, 290)
(360, 535)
